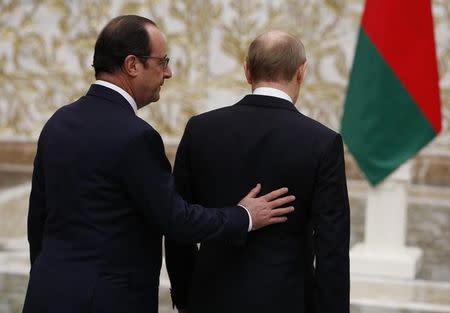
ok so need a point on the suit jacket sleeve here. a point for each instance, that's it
(180, 258)
(37, 209)
(146, 176)
(331, 226)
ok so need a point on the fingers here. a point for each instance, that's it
(254, 192)
(281, 201)
(277, 220)
(275, 194)
(281, 211)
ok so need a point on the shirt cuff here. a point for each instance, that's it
(250, 224)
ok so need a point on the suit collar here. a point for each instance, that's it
(267, 101)
(274, 92)
(122, 92)
(109, 94)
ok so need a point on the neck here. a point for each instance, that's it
(119, 81)
(285, 87)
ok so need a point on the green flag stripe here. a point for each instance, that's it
(382, 125)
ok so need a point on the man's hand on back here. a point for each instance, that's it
(267, 210)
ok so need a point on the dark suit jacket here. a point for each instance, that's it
(102, 196)
(274, 144)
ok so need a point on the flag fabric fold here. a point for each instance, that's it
(392, 108)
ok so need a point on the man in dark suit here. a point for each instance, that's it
(300, 266)
(102, 192)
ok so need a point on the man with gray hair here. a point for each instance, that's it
(299, 266)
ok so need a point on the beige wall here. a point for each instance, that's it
(46, 51)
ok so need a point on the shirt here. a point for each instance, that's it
(124, 94)
(273, 92)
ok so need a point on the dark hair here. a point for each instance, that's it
(275, 56)
(122, 36)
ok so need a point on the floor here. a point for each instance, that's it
(428, 228)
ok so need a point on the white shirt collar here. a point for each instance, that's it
(124, 94)
(273, 92)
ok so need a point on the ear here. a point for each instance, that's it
(301, 72)
(247, 73)
(130, 65)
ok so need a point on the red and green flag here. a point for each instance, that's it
(392, 108)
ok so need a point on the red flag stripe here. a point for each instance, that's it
(402, 32)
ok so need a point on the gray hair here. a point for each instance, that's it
(275, 56)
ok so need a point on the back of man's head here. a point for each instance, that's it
(122, 36)
(275, 56)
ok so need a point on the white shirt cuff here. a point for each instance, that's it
(250, 224)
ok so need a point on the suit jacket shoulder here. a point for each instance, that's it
(248, 111)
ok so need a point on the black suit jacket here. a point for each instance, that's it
(274, 144)
(102, 196)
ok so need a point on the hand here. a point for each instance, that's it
(265, 210)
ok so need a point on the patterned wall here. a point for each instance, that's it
(46, 50)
